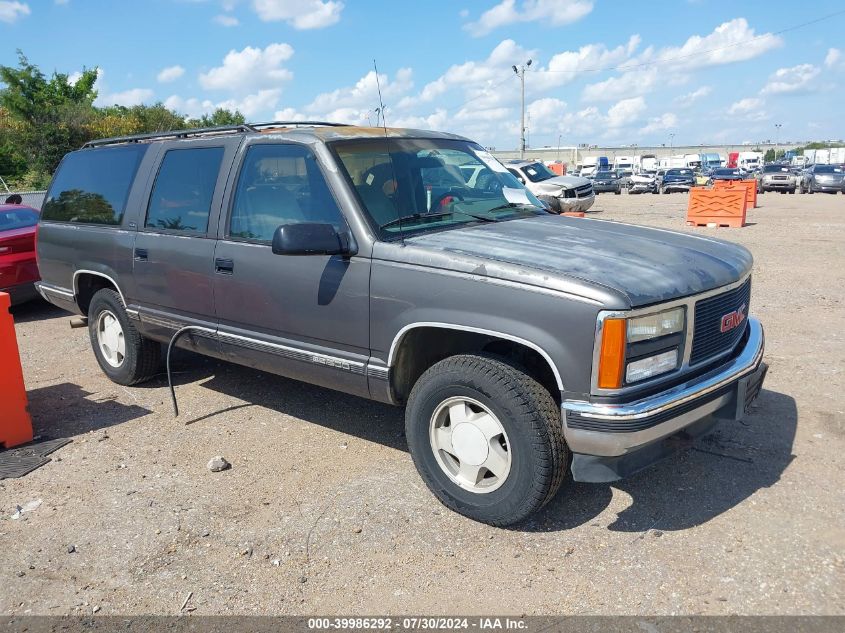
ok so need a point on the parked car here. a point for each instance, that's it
(560, 193)
(726, 173)
(18, 268)
(777, 178)
(674, 179)
(643, 182)
(823, 179)
(524, 346)
(607, 182)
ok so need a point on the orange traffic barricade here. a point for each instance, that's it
(15, 423)
(573, 214)
(750, 187)
(720, 207)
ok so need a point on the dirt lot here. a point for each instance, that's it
(324, 513)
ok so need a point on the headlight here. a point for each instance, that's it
(651, 366)
(638, 348)
(655, 325)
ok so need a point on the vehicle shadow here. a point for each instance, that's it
(65, 410)
(720, 471)
(36, 310)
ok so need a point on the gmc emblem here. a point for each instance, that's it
(733, 319)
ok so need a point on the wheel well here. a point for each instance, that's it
(422, 347)
(87, 285)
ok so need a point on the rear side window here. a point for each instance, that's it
(17, 219)
(184, 187)
(92, 185)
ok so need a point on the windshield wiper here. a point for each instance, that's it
(418, 216)
(511, 205)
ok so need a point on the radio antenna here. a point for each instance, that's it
(389, 154)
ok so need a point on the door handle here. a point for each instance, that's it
(141, 254)
(224, 266)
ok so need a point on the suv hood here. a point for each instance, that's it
(637, 265)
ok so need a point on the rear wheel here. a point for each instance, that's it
(124, 355)
(486, 438)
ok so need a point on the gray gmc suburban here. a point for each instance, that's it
(412, 268)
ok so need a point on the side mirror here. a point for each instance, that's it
(311, 238)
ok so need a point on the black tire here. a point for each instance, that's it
(664, 190)
(792, 191)
(554, 203)
(142, 356)
(618, 192)
(530, 418)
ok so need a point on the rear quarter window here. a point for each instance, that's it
(92, 185)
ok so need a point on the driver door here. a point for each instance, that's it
(306, 317)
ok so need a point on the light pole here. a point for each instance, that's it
(671, 142)
(559, 136)
(778, 126)
(520, 72)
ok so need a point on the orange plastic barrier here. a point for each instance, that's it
(722, 207)
(15, 423)
(558, 168)
(573, 214)
(750, 187)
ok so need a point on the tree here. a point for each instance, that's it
(54, 113)
(219, 117)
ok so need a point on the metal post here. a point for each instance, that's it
(520, 72)
(777, 138)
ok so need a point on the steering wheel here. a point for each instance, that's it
(438, 202)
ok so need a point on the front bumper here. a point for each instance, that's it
(677, 186)
(611, 441)
(826, 187)
(577, 204)
(777, 185)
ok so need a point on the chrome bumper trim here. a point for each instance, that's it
(747, 362)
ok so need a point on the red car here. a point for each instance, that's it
(18, 270)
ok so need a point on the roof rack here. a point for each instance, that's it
(297, 124)
(201, 131)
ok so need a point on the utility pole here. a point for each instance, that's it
(520, 72)
(559, 136)
(778, 126)
(671, 142)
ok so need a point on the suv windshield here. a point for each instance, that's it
(606, 175)
(775, 169)
(679, 172)
(537, 172)
(827, 169)
(431, 184)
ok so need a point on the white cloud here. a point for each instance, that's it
(729, 42)
(11, 11)
(73, 78)
(191, 107)
(625, 112)
(226, 20)
(128, 98)
(638, 82)
(565, 67)
(665, 121)
(833, 57)
(171, 73)
(254, 105)
(356, 104)
(795, 79)
(289, 114)
(250, 69)
(688, 99)
(300, 14)
(750, 108)
(549, 12)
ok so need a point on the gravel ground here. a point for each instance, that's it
(322, 511)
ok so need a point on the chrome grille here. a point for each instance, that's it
(708, 339)
(584, 191)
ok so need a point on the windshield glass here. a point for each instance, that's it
(431, 184)
(17, 219)
(725, 172)
(774, 169)
(538, 172)
(679, 172)
(606, 175)
(828, 169)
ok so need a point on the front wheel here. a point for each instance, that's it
(123, 354)
(486, 438)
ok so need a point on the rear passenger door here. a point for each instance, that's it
(173, 257)
(306, 317)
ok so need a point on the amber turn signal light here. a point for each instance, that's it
(612, 355)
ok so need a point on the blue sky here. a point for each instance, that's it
(603, 71)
